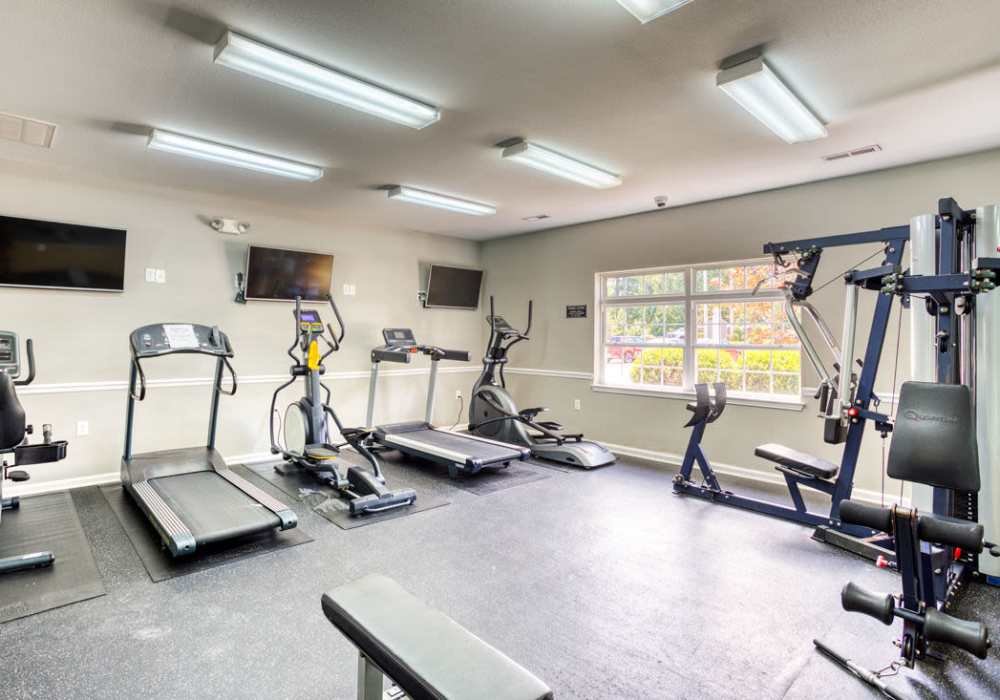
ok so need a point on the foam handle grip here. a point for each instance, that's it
(854, 598)
(973, 637)
(875, 517)
(965, 534)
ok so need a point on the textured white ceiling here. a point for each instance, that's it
(919, 77)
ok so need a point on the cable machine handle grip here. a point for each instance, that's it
(30, 351)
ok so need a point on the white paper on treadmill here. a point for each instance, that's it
(180, 335)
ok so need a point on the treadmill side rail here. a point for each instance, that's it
(174, 533)
(285, 514)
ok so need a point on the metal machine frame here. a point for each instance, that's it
(849, 402)
(460, 452)
(24, 454)
(845, 420)
(138, 471)
(366, 492)
(493, 413)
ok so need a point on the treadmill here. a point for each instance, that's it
(190, 495)
(460, 452)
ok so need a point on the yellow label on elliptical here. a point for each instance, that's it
(313, 360)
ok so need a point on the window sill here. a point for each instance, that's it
(732, 399)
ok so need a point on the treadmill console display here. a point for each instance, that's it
(500, 323)
(309, 321)
(168, 338)
(397, 337)
(8, 352)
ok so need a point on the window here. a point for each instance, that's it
(669, 329)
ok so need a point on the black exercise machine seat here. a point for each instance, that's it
(12, 418)
(426, 653)
(799, 462)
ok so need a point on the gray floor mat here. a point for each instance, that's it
(490, 481)
(160, 565)
(324, 502)
(46, 523)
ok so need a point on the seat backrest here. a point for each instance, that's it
(934, 437)
(12, 421)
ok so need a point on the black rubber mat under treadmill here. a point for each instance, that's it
(324, 502)
(46, 523)
(489, 481)
(160, 565)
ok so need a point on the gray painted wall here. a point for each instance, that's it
(557, 268)
(81, 337)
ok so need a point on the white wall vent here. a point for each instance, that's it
(24, 130)
(864, 150)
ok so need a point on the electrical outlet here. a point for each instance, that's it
(150, 274)
(458, 393)
(82, 428)
(350, 290)
(576, 404)
(161, 276)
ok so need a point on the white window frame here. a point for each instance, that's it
(689, 298)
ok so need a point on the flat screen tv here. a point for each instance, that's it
(275, 274)
(63, 256)
(453, 288)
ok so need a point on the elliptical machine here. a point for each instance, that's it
(493, 413)
(306, 431)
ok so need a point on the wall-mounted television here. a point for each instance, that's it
(61, 256)
(453, 288)
(277, 274)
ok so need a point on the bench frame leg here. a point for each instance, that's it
(369, 679)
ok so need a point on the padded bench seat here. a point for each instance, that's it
(425, 652)
(798, 461)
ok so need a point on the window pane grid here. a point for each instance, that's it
(743, 341)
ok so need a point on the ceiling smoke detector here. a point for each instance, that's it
(862, 151)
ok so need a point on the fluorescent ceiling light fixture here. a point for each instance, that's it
(557, 164)
(648, 10)
(251, 57)
(432, 199)
(759, 91)
(230, 155)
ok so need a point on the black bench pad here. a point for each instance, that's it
(797, 461)
(425, 652)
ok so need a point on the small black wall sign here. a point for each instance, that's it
(576, 311)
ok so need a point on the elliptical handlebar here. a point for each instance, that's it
(30, 352)
(336, 338)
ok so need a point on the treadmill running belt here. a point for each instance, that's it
(457, 444)
(212, 508)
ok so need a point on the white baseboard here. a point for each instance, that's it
(674, 460)
(76, 482)
(669, 458)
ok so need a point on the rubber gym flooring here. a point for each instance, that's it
(602, 583)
